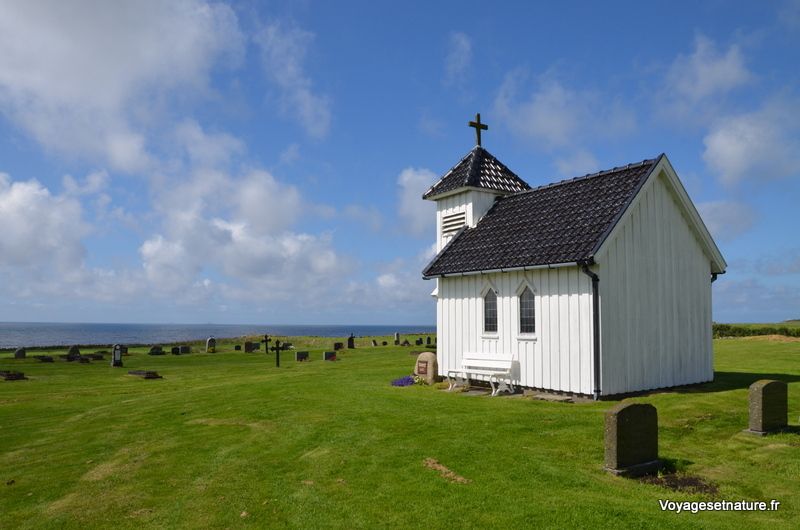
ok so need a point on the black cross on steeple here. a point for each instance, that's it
(478, 127)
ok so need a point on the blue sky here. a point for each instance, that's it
(254, 162)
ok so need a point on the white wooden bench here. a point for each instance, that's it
(500, 370)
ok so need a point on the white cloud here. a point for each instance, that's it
(416, 215)
(555, 116)
(458, 59)
(283, 50)
(759, 145)
(40, 231)
(578, 163)
(707, 72)
(206, 149)
(85, 78)
(726, 220)
(93, 183)
(369, 216)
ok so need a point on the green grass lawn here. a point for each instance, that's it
(228, 440)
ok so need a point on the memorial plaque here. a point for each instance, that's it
(426, 367)
(329, 356)
(422, 368)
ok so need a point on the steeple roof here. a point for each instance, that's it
(478, 169)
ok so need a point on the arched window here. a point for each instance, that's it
(490, 312)
(527, 312)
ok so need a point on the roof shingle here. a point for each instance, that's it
(558, 223)
(478, 169)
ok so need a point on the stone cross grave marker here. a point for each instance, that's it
(211, 345)
(116, 356)
(277, 349)
(769, 407)
(631, 439)
(426, 367)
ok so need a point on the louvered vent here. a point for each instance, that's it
(451, 223)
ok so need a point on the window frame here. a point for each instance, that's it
(482, 323)
(526, 335)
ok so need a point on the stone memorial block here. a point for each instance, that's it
(384, 343)
(175, 350)
(351, 342)
(406, 343)
(418, 342)
(631, 439)
(396, 337)
(426, 367)
(338, 346)
(73, 354)
(427, 341)
(124, 349)
(156, 350)
(185, 349)
(43, 358)
(237, 347)
(301, 356)
(20, 353)
(116, 355)
(374, 342)
(9, 375)
(211, 345)
(248, 346)
(769, 407)
(329, 356)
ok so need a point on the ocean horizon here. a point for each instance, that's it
(43, 334)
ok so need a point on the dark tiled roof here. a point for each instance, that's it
(559, 223)
(479, 169)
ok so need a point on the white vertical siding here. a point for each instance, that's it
(655, 295)
(558, 358)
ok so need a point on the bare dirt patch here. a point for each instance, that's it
(771, 338)
(444, 472)
(683, 483)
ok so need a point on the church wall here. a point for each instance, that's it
(473, 203)
(655, 295)
(557, 357)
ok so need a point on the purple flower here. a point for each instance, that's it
(403, 381)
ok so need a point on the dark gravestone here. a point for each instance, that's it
(384, 343)
(351, 342)
(301, 356)
(175, 350)
(338, 346)
(329, 356)
(769, 407)
(124, 349)
(156, 350)
(12, 376)
(97, 356)
(237, 347)
(84, 359)
(418, 342)
(211, 345)
(248, 346)
(374, 342)
(406, 343)
(116, 356)
(185, 349)
(20, 353)
(286, 346)
(73, 354)
(145, 374)
(256, 346)
(631, 439)
(43, 358)
(427, 341)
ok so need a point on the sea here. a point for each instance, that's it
(40, 334)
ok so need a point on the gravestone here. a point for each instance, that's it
(351, 342)
(9, 375)
(301, 356)
(329, 356)
(20, 353)
(116, 356)
(384, 343)
(427, 341)
(769, 407)
(43, 358)
(73, 354)
(418, 342)
(406, 343)
(96, 356)
(175, 350)
(211, 345)
(374, 342)
(338, 346)
(396, 338)
(156, 350)
(124, 349)
(185, 349)
(237, 347)
(631, 440)
(145, 374)
(426, 367)
(248, 346)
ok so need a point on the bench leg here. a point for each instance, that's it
(499, 385)
(456, 381)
